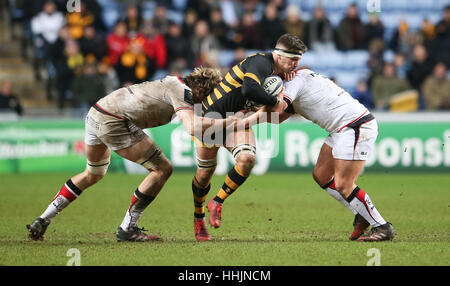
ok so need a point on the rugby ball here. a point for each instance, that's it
(273, 85)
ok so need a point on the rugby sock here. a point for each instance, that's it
(234, 180)
(331, 190)
(138, 204)
(361, 202)
(68, 193)
(200, 194)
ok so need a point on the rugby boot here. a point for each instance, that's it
(359, 227)
(215, 216)
(200, 229)
(135, 234)
(380, 233)
(37, 229)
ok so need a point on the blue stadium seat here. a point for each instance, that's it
(148, 9)
(159, 74)
(110, 16)
(356, 59)
(225, 58)
(179, 5)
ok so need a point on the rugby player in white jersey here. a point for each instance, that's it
(352, 133)
(116, 123)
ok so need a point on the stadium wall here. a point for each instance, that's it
(407, 142)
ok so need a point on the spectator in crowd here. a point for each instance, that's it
(117, 42)
(134, 66)
(422, 66)
(133, 20)
(154, 44)
(319, 31)
(218, 28)
(66, 68)
(95, 9)
(350, 31)
(248, 34)
(203, 8)
(376, 60)
(190, 18)
(374, 29)
(92, 43)
(108, 76)
(436, 89)
(203, 43)
(404, 39)
(272, 26)
(45, 28)
(9, 101)
(230, 10)
(363, 95)
(177, 45)
(29, 9)
(160, 19)
(293, 24)
(56, 53)
(386, 85)
(443, 26)
(427, 31)
(79, 20)
(440, 46)
(401, 65)
(87, 88)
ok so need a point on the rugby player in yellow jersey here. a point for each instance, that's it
(241, 89)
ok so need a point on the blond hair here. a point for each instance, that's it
(203, 79)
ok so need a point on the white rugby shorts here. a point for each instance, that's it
(114, 132)
(354, 143)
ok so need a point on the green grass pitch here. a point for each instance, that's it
(272, 220)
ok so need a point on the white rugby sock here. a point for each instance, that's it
(361, 202)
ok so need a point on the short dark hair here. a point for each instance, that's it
(292, 43)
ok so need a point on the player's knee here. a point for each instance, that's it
(344, 187)
(320, 180)
(316, 177)
(165, 170)
(155, 161)
(245, 156)
(246, 162)
(95, 171)
(92, 179)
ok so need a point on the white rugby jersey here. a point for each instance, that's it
(320, 100)
(149, 104)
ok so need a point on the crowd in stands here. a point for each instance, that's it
(85, 58)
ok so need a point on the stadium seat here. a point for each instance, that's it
(406, 101)
(148, 9)
(159, 74)
(226, 57)
(356, 58)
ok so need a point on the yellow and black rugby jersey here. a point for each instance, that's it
(227, 97)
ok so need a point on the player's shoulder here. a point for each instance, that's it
(260, 63)
(170, 79)
(303, 71)
(260, 57)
